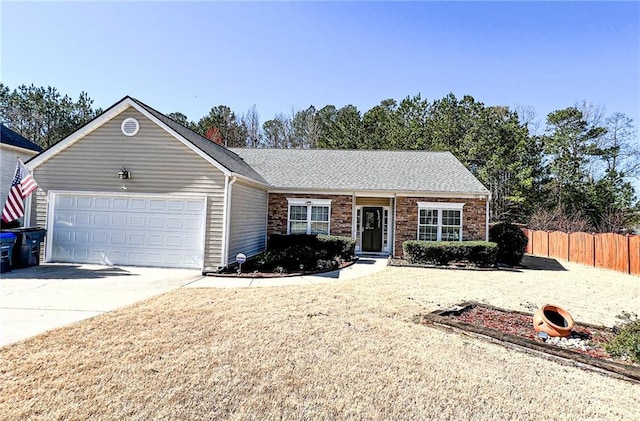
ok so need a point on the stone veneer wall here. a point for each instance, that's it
(340, 222)
(474, 218)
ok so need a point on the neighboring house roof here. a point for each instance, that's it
(381, 170)
(218, 155)
(9, 137)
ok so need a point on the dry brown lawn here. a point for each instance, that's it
(344, 350)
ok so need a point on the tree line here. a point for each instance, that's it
(572, 174)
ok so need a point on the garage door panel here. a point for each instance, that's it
(120, 203)
(99, 203)
(83, 219)
(192, 224)
(135, 239)
(118, 221)
(118, 238)
(66, 202)
(77, 254)
(84, 203)
(194, 206)
(101, 219)
(137, 221)
(128, 230)
(81, 236)
(100, 237)
(65, 218)
(136, 258)
(175, 205)
(138, 204)
(157, 205)
(156, 222)
(157, 257)
(156, 240)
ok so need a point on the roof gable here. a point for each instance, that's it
(9, 137)
(219, 156)
(373, 170)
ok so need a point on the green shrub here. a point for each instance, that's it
(327, 246)
(480, 253)
(626, 343)
(342, 247)
(311, 252)
(511, 241)
(283, 241)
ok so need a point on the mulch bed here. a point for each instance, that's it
(256, 274)
(515, 329)
(452, 266)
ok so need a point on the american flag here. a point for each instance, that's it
(23, 185)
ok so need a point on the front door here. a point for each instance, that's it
(372, 229)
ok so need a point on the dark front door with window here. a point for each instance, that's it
(372, 229)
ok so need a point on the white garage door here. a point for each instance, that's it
(135, 230)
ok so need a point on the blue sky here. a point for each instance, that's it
(189, 57)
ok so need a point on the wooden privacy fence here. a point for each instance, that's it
(608, 250)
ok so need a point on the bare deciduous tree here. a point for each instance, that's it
(558, 219)
(251, 123)
(623, 153)
(527, 117)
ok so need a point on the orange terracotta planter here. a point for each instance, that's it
(553, 320)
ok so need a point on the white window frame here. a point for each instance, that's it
(440, 207)
(309, 203)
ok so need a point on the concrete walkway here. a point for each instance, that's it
(363, 267)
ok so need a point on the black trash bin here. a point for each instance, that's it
(7, 242)
(26, 251)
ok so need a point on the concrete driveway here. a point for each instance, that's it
(40, 298)
(53, 295)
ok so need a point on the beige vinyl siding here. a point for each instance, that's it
(8, 159)
(158, 162)
(373, 201)
(248, 224)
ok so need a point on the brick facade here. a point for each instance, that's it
(474, 217)
(341, 212)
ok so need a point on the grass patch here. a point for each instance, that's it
(346, 350)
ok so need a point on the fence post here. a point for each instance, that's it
(628, 254)
(593, 242)
(531, 239)
(548, 242)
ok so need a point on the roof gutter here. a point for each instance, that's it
(385, 193)
(20, 149)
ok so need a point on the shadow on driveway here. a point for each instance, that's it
(40, 298)
(64, 271)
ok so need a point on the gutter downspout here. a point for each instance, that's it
(486, 234)
(226, 219)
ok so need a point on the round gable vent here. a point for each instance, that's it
(130, 126)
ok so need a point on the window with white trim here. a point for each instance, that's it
(308, 216)
(440, 221)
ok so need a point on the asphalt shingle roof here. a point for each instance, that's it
(9, 137)
(381, 170)
(220, 154)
